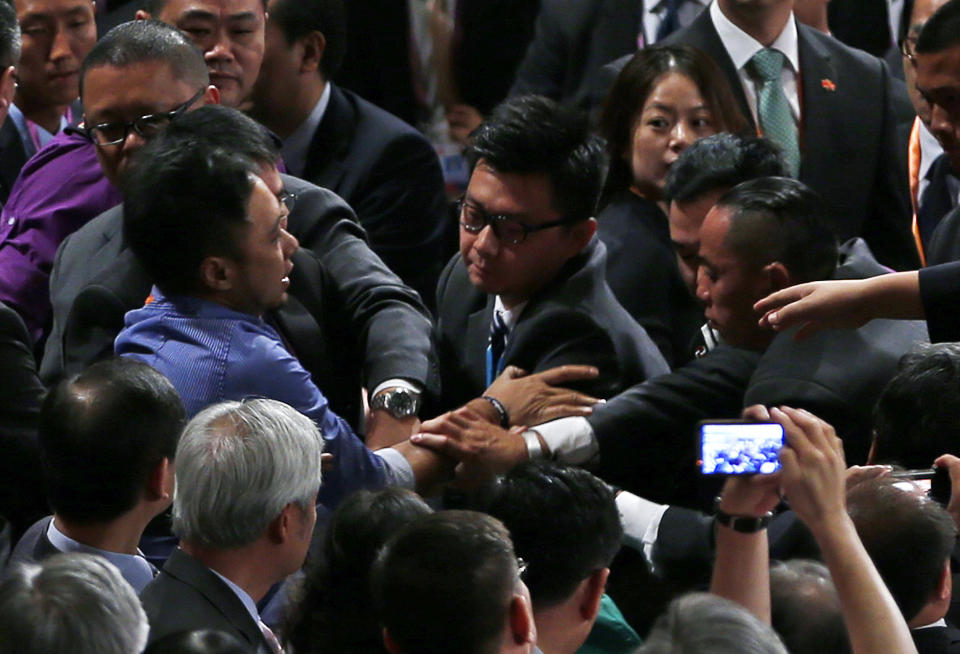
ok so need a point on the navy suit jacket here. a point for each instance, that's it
(187, 595)
(390, 175)
(12, 158)
(574, 319)
(349, 320)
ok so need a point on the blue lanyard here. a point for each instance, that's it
(493, 371)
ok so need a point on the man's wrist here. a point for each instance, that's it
(537, 448)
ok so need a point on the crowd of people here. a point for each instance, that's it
(334, 327)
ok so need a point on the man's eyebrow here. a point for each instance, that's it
(243, 16)
(195, 14)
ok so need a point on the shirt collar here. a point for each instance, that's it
(741, 46)
(133, 567)
(296, 146)
(20, 122)
(247, 601)
(930, 149)
(939, 623)
(509, 316)
(661, 5)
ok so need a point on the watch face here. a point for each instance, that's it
(400, 403)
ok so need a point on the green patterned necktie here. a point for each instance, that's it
(773, 109)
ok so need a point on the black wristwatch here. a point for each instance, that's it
(400, 402)
(745, 524)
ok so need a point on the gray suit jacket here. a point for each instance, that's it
(187, 595)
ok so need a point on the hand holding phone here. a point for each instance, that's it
(739, 447)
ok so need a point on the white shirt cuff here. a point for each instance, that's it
(641, 522)
(397, 383)
(399, 471)
(571, 440)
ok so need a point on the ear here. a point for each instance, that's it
(279, 529)
(142, 15)
(8, 88)
(210, 96)
(593, 593)
(314, 45)
(160, 481)
(778, 275)
(945, 585)
(217, 273)
(583, 231)
(389, 643)
(521, 620)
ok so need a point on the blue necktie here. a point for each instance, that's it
(670, 22)
(495, 346)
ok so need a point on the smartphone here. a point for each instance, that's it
(935, 481)
(739, 447)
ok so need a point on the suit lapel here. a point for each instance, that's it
(616, 30)
(335, 132)
(189, 571)
(822, 103)
(12, 156)
(478, 334)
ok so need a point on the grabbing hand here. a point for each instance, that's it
(535, 399)
(815, 306)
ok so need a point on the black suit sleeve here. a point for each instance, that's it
(940, 293)
(387, 319)
(542, 69)
(403, 207)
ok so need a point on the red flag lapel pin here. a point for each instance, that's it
(828, 85)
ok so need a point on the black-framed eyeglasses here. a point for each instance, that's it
(287, 199)
(908, 47)
(116, 132)
(508, 229)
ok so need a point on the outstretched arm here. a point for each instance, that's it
(842, 303)
(813, 479)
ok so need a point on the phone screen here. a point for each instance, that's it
(740, 448)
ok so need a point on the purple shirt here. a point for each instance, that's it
(59, 190)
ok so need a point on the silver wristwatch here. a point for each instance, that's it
(400, 402)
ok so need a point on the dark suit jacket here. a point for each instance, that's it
(12, 158)
(642, 272)
(22, 500)
(390, 175)
(187, 595)
(837, 374)
(851, 152)
(574, 319)
(940, 293)
(944, 245)
(349, 320)
(936, 640)
(573, 39)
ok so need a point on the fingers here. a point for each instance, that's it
(513, 372)
(439, 444)
(565, 411)
(756, 412)
(779, 299)
(859, 474)
(952, 464)
(562, 374)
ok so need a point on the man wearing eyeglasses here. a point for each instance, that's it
(528, 287)
(134, 81)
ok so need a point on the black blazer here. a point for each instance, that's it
(572, 40)
(349, 320)
(936, 640)
(574, 319)
(642, 272)
(187, 595)
(390, 175)
(646, 434)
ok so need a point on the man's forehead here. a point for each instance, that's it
(510, 193)
(31, 8)
(216, 9)
(936, 69)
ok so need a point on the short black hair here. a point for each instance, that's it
(101, 433)
(805, 608)
(720, 162)
(185, 200)
(563, 522)
(297, 18)
(534, 135)
(909, 537)
(9, 35)
(444, 584)
(781, 219)
(140, 41)
(942, 29)
(335, 600)
(197, 641)
(915, 419)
